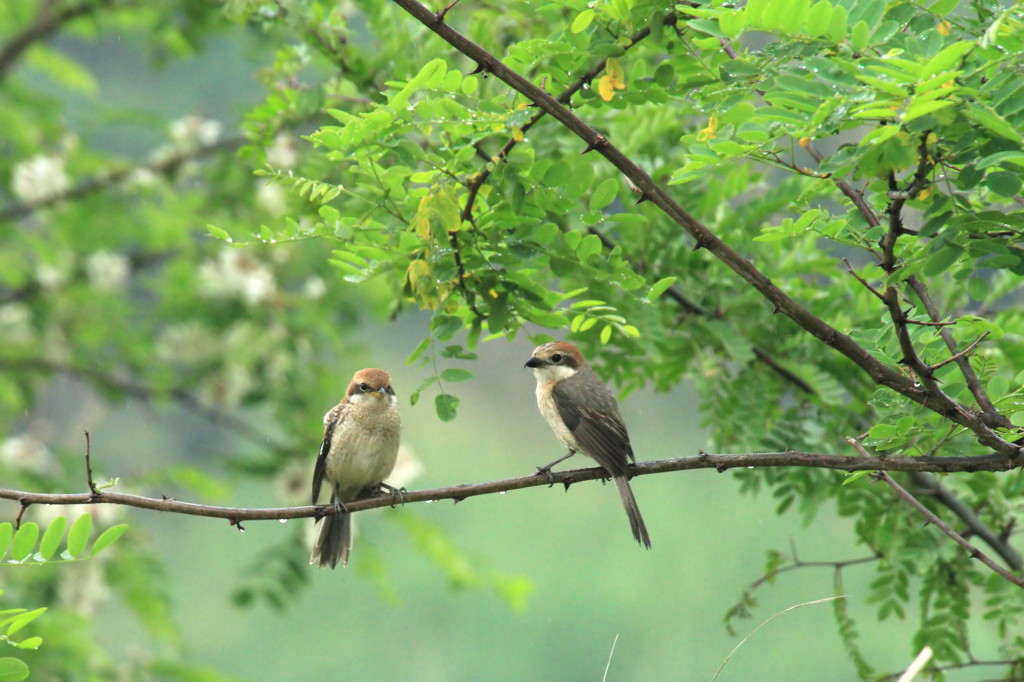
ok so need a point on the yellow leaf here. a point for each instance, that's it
(517, 134)
(804, 141)
(605, 88)
(417, 270)
(944, 28)
(711, 131)
(614, 70)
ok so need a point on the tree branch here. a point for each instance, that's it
(929, 485)
(458, 493)
(971, 550)
(45, 23)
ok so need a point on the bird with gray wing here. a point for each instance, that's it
(584, 415)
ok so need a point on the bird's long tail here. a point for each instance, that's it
(636, 519)
(334, 541)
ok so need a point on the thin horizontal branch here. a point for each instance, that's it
(566, 478)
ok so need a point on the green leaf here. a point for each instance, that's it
(660, 287)
(107, 538)
(23, 619)
(1004, 183)
(859, 35)
(12, 670)
(52, 537)
(30, 643)
(454, 374)
(604, 194)
(78, 536)
(948, 57)
(218, 232)
(606, 334)
(992, 121)
(6, 533)
(446, 406)
(24, 541)
(582, 21)
(819, 18)
(837, 24)
(1017, 418)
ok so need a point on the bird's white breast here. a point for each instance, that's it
(549, 410)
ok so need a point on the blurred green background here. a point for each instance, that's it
(593, 594)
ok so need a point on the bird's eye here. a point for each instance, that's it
(364, 387)
(557, 357)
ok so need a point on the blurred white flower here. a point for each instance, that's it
(39, 178)
(195, 131)
(15, 323)
(271, 198)
(228, 388)
(51, 276)
(83, 587)
(292, 482)
(236, 273)
(26, 453)
(315, 288)
(189, 343)
(407, 468)
(284, 152)
(107, 270)
(142, 177)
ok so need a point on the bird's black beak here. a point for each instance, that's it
(533, 362)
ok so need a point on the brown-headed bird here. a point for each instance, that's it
(584, 415)
(359, 449)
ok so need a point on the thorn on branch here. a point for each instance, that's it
(480, 68)
(238, 523)
(566, 483)
(598, 141)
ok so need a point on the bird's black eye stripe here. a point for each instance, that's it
(557, 357)
(364, 387)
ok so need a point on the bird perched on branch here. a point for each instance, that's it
(361, 435)
(584, 415)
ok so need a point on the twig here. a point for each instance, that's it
(849, 269)
(988, 410)
(720, 463)
(966, 351)
(930, 486)
(971, 550)
(88, 466)
(21, 512)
